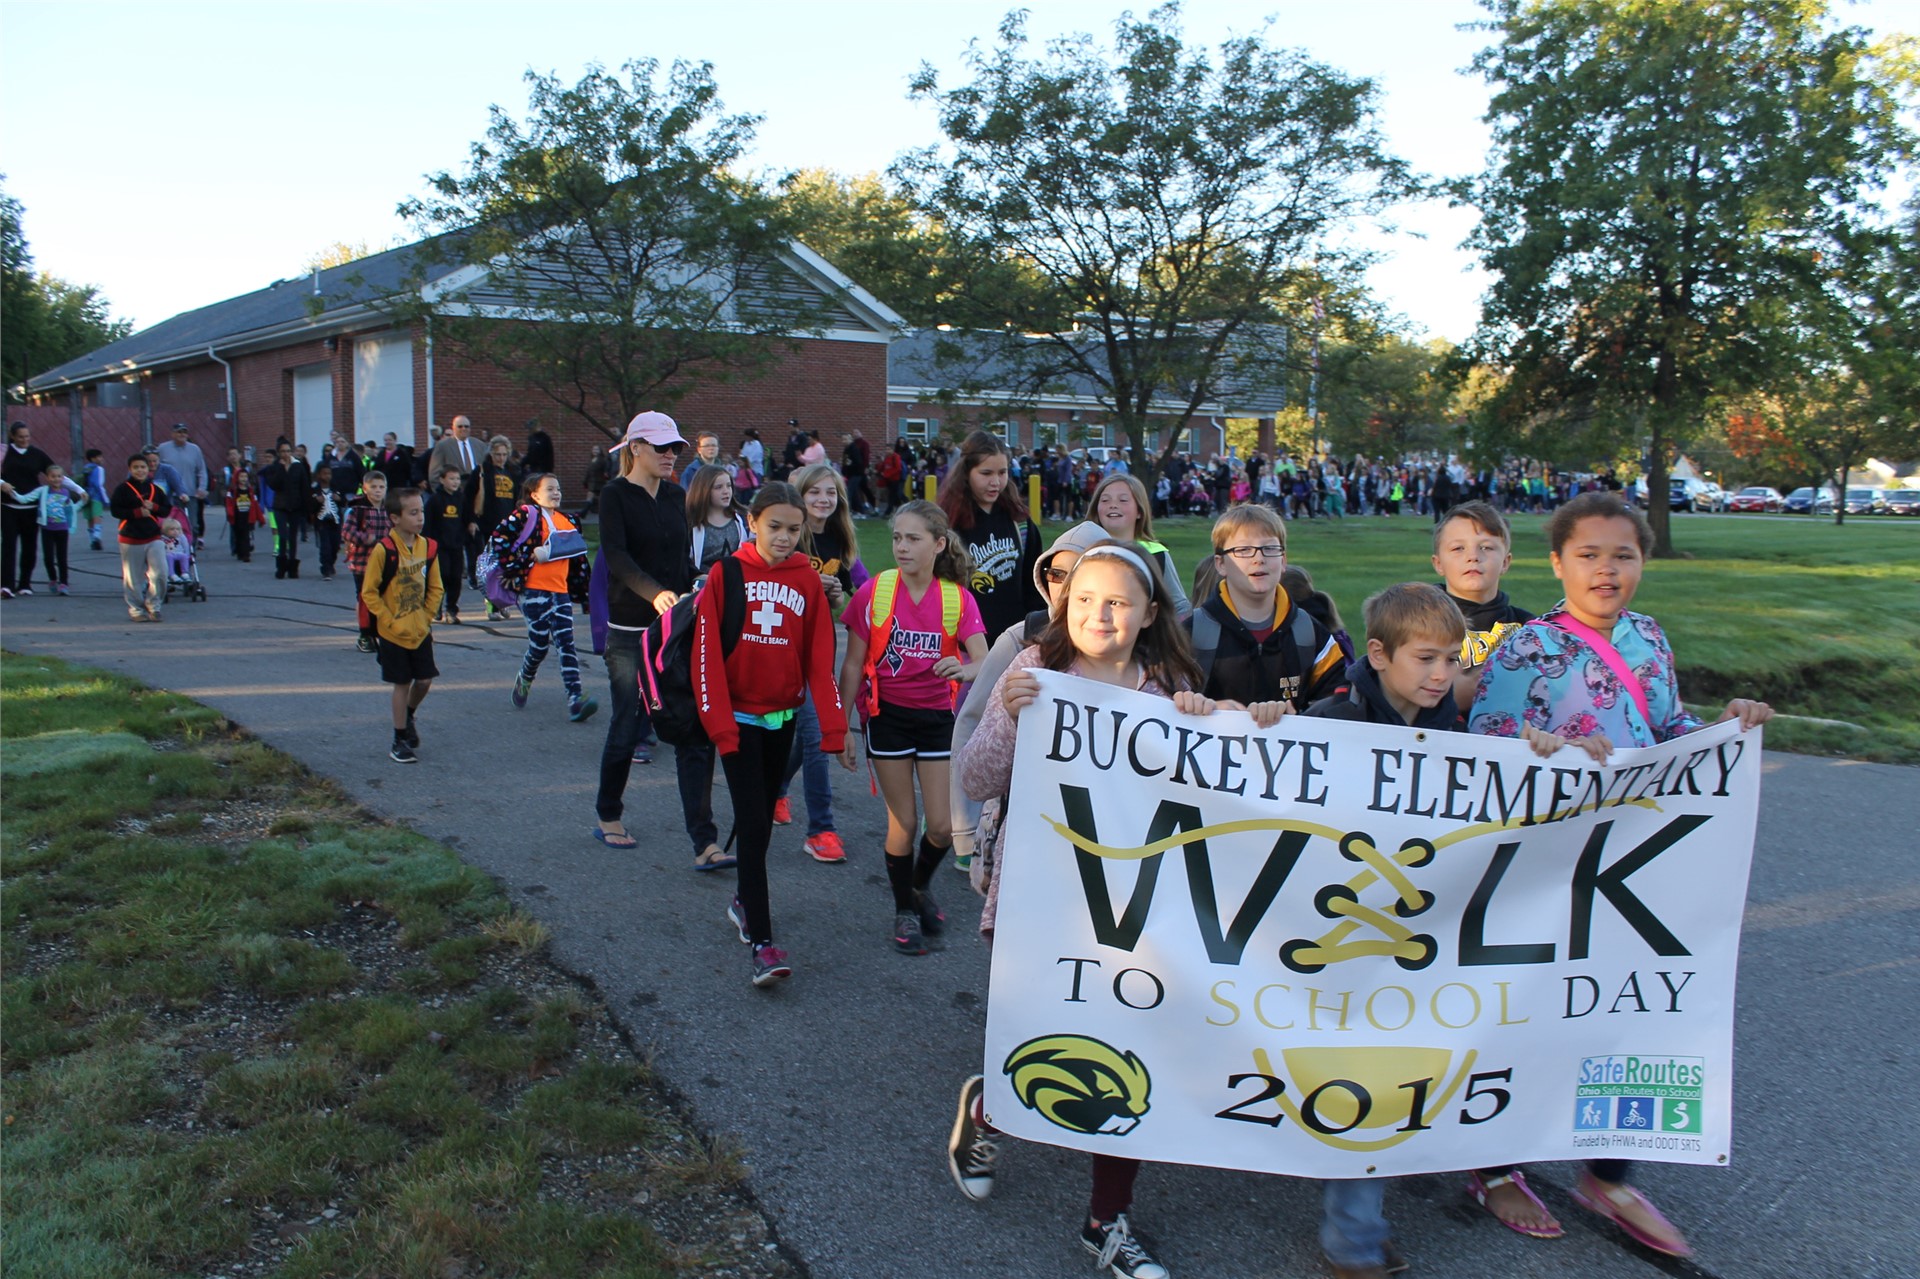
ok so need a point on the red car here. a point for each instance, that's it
(1758, 498)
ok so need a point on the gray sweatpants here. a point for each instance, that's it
(143, 575)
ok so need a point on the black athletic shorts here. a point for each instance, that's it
(907, 732)
(405, 665)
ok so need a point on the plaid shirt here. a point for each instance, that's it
(363, 527)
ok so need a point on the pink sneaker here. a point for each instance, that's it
(783, 812)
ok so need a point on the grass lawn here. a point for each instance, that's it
(247, 1027)
(1823, 622)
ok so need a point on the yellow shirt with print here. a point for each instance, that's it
(404, 612)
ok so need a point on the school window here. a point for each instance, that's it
(1008, 431)
(915, 429)
(173, 382)
(1045, 434)
(1095, 434)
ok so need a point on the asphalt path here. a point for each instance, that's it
(839, 1085)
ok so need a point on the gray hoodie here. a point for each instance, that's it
(966, 812)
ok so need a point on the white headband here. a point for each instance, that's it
(1131, 557)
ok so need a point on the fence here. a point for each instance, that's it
(116, 432)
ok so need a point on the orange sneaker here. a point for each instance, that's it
(825, 847)
(782, 812)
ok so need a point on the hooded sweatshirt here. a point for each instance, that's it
(786, 648)
(1487, 625)
(1003, 553)
(1273, 669)
(1006, 646)
(1364, 700)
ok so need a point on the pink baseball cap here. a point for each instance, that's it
(655, 428)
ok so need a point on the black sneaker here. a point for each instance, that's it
(364, 644)
(971, 1154)
(933, 921)
(907, 938)
(413, 732)
(401, 752)
(1115, 1248)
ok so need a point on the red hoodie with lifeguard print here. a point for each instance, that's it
(785, 648)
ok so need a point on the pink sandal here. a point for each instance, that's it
(1609, 1201)
(1480, 1187)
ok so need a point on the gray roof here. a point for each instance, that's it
(276, 314)
(291, 310)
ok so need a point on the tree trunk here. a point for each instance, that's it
(1659, 512)
(1840, 494)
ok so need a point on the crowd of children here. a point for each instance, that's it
(939, 657)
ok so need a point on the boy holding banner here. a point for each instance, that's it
(1252, 644)
(1415, 634)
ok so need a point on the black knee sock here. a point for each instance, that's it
(926, 863)
(900, 876)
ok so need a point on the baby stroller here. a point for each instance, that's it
(183, 563)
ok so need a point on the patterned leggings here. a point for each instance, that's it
(550, 621)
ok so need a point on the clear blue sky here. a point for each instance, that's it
(178, 154)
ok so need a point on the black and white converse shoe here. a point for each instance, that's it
(1115, 1248)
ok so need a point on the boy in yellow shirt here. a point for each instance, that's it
(402, 590)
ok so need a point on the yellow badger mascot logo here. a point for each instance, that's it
(1079, 1083)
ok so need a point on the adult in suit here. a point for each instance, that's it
(458, 449)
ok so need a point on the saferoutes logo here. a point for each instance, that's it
(1639, 1093)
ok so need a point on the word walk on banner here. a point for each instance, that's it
(1339, 950)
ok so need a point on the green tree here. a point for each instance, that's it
(1162, 200)
(875, 235)
(1386, 397)
(48, 321)
(614, 256)
(1668, 178)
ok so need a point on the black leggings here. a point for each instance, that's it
(53, 547)
(754, 773)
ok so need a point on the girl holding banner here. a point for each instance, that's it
(1589, 668)
(1113, 628)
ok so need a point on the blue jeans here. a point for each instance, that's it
(817, 785)
(625, 727)
(1353, 1221)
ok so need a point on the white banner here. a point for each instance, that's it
(1339, 950)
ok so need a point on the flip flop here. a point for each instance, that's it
(1478, 1188)
(714, 857)
(614, 839)
(1606, 1201)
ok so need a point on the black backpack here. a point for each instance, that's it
(666, 656)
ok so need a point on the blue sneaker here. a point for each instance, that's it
(521, 687)
(738, 914)
(582, 708)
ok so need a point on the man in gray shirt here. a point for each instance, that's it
(184, 456)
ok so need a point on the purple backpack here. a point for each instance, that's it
(493, 578)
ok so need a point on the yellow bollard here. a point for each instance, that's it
(1033, 495)
(931, 486)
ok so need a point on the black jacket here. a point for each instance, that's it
(1274, 669)
(292, 485)
(23, 470)
(1364, 700)
(647, 547)
(1004, 553)
(446, 516)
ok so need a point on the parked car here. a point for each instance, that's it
(1903, 502)
(1711, 497)
(1757, 498)
(1802, 500)
(1870, 500)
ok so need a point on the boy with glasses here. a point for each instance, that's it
(1252, 644)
